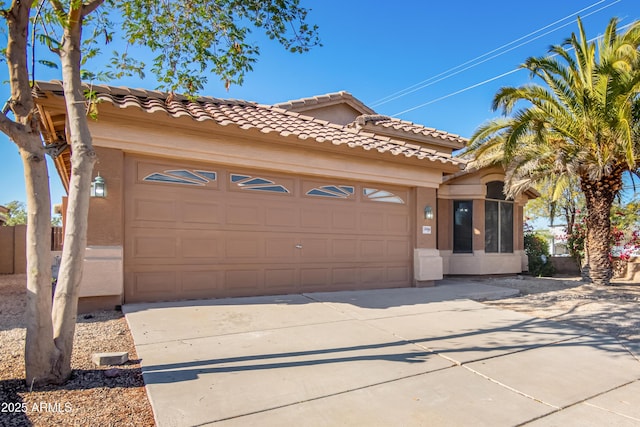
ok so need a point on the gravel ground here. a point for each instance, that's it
(613, 310)
(95, 396)
(115, 396)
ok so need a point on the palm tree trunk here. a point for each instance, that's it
(599, 196)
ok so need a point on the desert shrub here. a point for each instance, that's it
(537, 250)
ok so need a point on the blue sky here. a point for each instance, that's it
(375, 49)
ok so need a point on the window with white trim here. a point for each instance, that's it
(498, 220)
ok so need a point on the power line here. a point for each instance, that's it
(457, 92)
(484, 81)
(474, 62)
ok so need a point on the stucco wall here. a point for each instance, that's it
(339, 113)
(427, 260)
(103, 264)
(472, 186)
(565, 265)
(106, 214)
(13, 249)
(479, 263)
(7, 243)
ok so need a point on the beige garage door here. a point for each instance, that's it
(206, 231)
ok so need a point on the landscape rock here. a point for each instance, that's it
(107, 359)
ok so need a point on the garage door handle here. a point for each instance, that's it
(298, 246)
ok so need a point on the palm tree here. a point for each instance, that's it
(582, 123)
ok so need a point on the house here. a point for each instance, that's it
(212, 198)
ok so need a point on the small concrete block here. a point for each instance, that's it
(106, 359)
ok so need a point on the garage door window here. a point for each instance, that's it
(381, 196)
(333, 191)
(247, 182)
(182, 176)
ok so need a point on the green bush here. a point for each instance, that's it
(537, 250)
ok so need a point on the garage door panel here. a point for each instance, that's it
(398, 223)
(344, 220)
(281, 279)
(243, 215)
(372, 222)
(201, 213)
(287, 217)
(224, 238)
(374, 275)
(154, 247)
(314, 248)
(243, 248)
(373, 248)
(280, 248)
(200, 247)
(243, 279)
(344, 248)
(315, 218)
(398, 274)
(154, 210)
(397, 249)
(155, 284)
(312, 279)
(201, 282)
(346, 276)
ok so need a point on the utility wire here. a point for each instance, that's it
(456, 92)
(485, 81)
(500, 51)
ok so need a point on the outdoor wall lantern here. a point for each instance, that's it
(98, 187)
(428, 212)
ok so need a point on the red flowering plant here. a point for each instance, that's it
(577, 237)
(624, 244)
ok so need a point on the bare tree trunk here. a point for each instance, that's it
(65, 304)
(24, 131)
(40, 352)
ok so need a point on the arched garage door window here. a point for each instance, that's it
(498, 220)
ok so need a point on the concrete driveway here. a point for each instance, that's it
(402, 357)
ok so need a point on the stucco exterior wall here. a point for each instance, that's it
(6, 250)
(106, 214)
(445, 225)
(103, 264)
(472, 186)
(479, 263)
(260, 151)
(427, 260)
(341, 113)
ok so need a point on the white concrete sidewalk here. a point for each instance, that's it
(401, 357)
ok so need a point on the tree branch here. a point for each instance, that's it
(57, 6)
(11, 129)
(87, 8)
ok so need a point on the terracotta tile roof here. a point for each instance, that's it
(389, 124)
(327, 99)
(250, 115)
